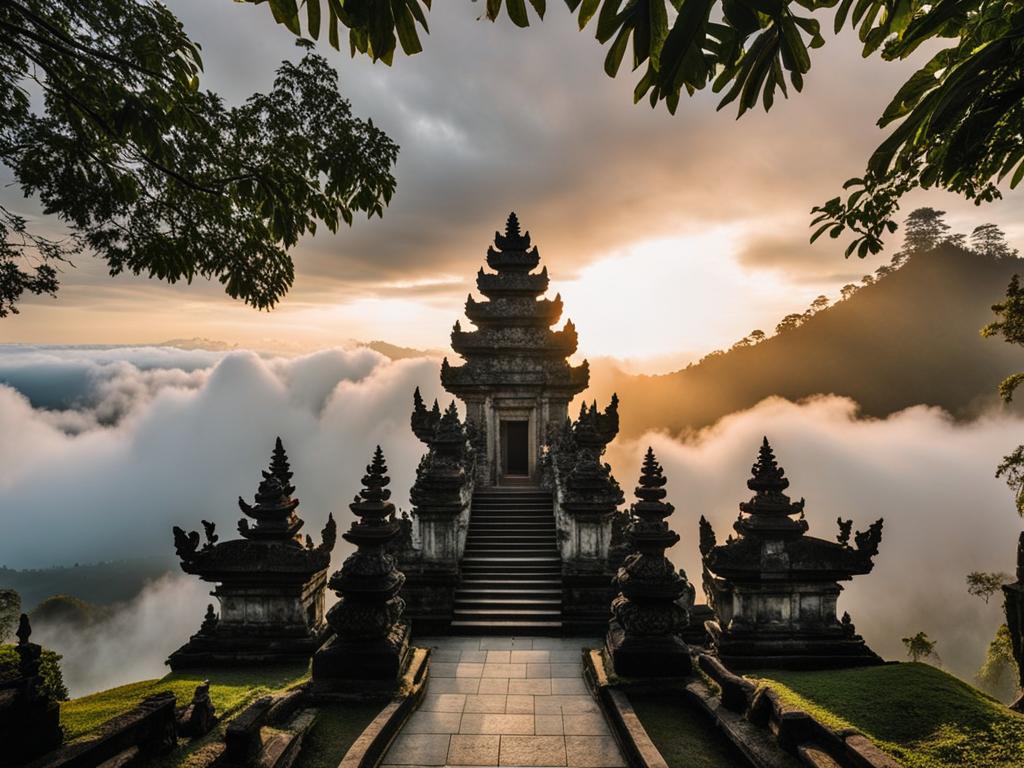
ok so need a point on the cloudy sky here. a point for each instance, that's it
(667, 236)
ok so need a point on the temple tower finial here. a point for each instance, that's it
(280, 468)
(512, 225)
(274, 507)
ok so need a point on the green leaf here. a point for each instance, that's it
(741, 16)
(517, 12)
(614, 58)
(286, 13)
(587, 10)
(405, 25)
(608, 20)
(658, 28)
(313, 18)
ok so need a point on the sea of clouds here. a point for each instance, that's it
(105, 449)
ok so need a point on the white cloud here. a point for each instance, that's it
(179, 452)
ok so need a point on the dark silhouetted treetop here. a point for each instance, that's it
(1009, 324)
(984, 584)
(989, 240)
(157, 176)
(955, 123)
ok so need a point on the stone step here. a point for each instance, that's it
(508, 514)
(518, 544)
(469, 588)
(509, 560)
(512, 509)
(550, 571)
(517, 535)
(525, 602)
(513, 491)
(509, 613)
(534, 579)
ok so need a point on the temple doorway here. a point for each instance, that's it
(515, 448)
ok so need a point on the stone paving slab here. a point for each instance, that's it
(506, 701)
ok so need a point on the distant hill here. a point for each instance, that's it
(396, 352)
(99, 583)
(911, 338)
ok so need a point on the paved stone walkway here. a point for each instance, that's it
(509, 701)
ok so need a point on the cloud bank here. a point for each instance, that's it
(145, 449)
(930, 479)
(157, 438)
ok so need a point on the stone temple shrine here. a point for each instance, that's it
(774, 588)
(516, 383)
(511, 526)
(269, 583)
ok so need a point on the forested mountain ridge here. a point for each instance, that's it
(912, 337)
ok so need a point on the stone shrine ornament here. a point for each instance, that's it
(774, 588)
(270, 583)
(648, 614)
(370, 645)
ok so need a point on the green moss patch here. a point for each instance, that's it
(920, 715)
(230, 690)
(336, 728)
(683, 733)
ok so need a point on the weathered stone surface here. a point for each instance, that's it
(199, 717)
(29, 720)
(647, 617)
(370, 642)
(149, 727)
(270, 583)
(774, 589)
(737, 692)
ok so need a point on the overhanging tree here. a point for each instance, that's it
(157, 176)
(955, 124)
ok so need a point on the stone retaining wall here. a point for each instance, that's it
(795, 730)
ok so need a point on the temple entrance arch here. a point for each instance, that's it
(515, 449)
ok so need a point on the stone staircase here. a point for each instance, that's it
(511, 569)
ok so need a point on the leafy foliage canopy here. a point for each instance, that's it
(158, 176)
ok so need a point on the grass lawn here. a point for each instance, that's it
(337, 726)
(230, 689)
(683, 733)
(919, 714)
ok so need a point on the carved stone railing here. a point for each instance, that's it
(586, 500)
(441, 499)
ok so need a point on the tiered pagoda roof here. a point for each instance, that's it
(773, 543)
(514, 344)
(271, 548)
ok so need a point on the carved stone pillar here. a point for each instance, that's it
(441, 498)
(371, 642)
(643, 635)
(587, 497)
